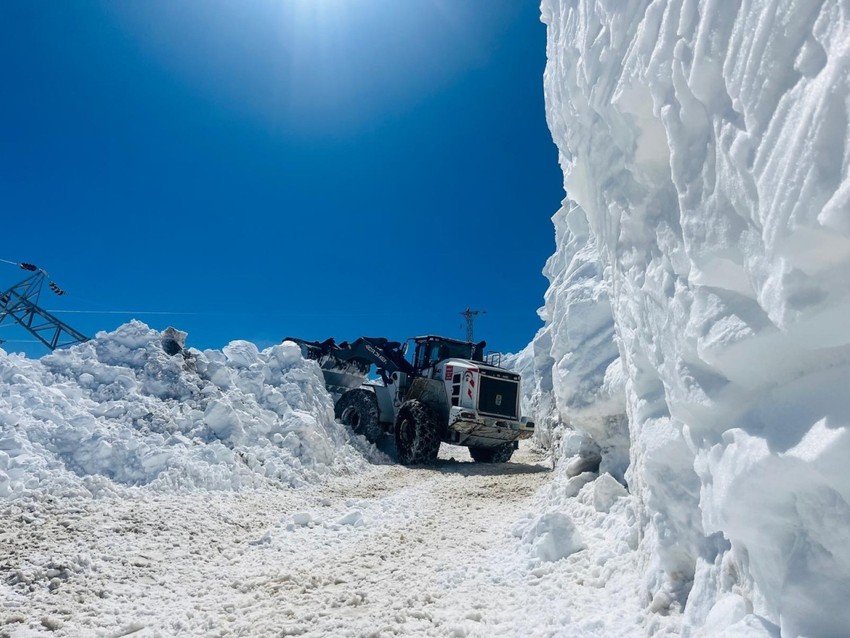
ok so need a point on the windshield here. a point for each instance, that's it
(433, 351)
(456, 351)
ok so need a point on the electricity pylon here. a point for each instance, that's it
(20, 302)
(470, 315)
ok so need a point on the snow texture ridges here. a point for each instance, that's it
(705, 154)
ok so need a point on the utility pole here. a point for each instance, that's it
(470, 315)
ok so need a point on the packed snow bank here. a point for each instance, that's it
(705, 154)
(572, 377)
(118, 411)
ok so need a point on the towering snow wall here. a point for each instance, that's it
(704, 246)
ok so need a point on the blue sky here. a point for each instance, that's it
(262, 168)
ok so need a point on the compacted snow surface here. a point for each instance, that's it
(458, 549)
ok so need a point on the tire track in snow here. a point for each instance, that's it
(391, 569)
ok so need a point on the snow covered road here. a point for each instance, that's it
(445, 550)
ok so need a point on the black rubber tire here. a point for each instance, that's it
(498, 454)
(358, 409)
(417, 439)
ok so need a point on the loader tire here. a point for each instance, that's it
(498, 454)
(417, 438)
(358, 409)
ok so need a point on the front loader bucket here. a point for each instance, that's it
(340, 381)
(340, 375)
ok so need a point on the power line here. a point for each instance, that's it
(121, 312)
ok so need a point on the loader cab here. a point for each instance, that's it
(430, 350)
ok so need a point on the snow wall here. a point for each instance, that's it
(118, 413)
(697, 319)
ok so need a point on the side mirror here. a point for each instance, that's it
(404, 348)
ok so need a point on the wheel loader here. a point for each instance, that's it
(448, 393)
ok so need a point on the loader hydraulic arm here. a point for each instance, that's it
(385, 355)
(364, 352)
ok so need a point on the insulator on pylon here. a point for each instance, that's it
(56, 288)
(27, 266)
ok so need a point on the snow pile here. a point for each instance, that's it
(705, 153)
(549, 533)
(118, 411)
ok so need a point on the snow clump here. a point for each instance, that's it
(551, 536)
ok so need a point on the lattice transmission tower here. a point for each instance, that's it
(470, 315)
(20, 303)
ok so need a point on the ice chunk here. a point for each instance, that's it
(552, 536)
(302, 518)
(604, 492)
(352, 517)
